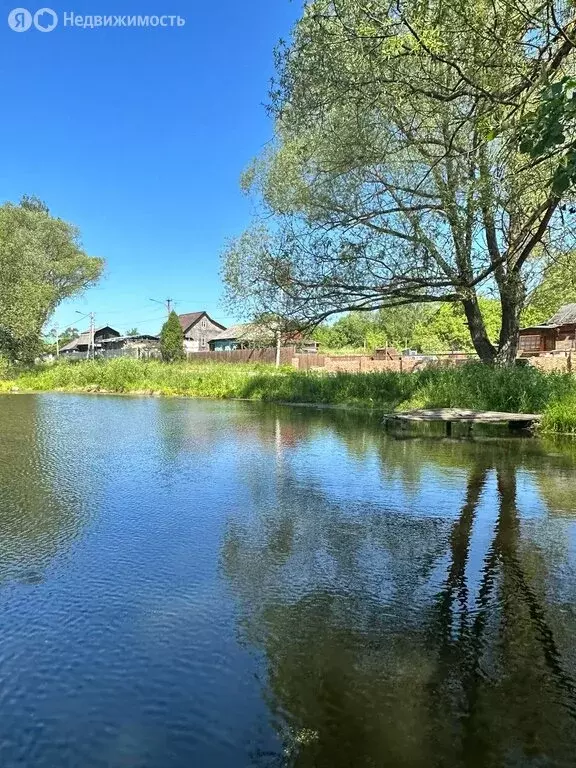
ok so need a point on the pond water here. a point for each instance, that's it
(188, 584)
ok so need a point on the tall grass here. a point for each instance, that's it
(476, 386)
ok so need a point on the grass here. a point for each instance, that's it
(518, 390)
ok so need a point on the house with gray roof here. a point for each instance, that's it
(242, 336)
(80, 345)
(254, 336)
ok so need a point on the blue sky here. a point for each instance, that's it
(138, 136)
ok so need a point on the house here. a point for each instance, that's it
(558, 333)
(242, 336)
(199, 329)
(252, 335)
(80, 345)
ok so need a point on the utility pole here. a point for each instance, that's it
(91, 337)
(166, 303)
(91, 333)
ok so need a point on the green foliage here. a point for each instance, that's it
(558, 288)
(417, 326)
(386, 185)
(447, 330)
(550, 129)
(560, 414)
(172, 339)
(5, 367)
(133, 332)
(67, 335)
(41, 263)
(351, 330)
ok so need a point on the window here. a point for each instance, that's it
(203, 341)
(203, 323)
(530, 343)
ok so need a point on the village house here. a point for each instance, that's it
(251, 335)
(557, 334)
(241, 336)
(80, 345)
(109, 342)
(199, 329)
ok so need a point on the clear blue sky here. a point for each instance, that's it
(138, 136)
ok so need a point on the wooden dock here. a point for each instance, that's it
(515, 421)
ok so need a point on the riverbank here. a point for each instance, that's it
(474, 386)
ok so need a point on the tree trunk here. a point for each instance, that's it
(512, 295)
(482, 344)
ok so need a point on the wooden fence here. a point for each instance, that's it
(267, 355)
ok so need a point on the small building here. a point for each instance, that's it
(242, 336)
(558, 333)
(199, 329)
(253, 335)
(80, 345)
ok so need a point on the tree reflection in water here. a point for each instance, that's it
(41, 503)
(406, 638)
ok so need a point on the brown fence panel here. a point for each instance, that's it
(307, 361)
(267, 355)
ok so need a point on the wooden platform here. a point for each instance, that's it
(451, 415)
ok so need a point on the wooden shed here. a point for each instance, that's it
(558, 333)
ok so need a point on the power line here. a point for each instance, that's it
(167, 303)
(70, 322)
(147, 320)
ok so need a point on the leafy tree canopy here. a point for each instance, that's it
(397, 175)
(42, 263)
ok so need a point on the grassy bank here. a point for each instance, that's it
(521, 390)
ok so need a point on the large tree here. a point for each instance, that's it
(42, 263)
(399, 172)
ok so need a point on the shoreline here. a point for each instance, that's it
(155, 394)
(470, 387)
(178, 395)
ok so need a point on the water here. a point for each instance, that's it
(188, 584)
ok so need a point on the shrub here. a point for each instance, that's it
(172, 339)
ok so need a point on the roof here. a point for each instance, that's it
(191, 318)
(245, 332)
(84, 339)
(138, 337)
(566, 315)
